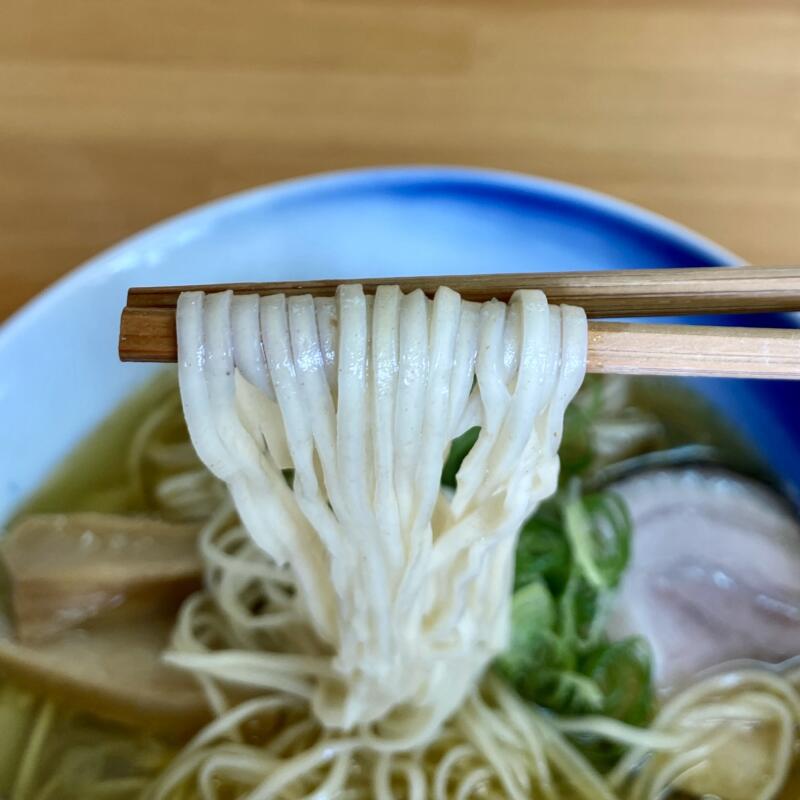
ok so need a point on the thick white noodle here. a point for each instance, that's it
(406, 590)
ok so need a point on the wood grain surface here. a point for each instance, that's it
(114, 115)
(611, 293)
(629, 348)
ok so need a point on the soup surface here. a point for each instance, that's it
(118, 560)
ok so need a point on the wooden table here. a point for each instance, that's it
(114, 115)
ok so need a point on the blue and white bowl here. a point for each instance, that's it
(59, 372)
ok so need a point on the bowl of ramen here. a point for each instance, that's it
(390, 546)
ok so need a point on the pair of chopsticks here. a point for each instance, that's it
(147, 327)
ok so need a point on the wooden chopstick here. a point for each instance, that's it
(148, 334)
(147, 328)
(629, 293)
(693, 350)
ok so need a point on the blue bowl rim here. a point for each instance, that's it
(615, 210)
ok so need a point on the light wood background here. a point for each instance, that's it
(115, 114)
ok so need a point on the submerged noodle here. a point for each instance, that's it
(267, 741)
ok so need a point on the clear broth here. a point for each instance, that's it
(87, 479)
